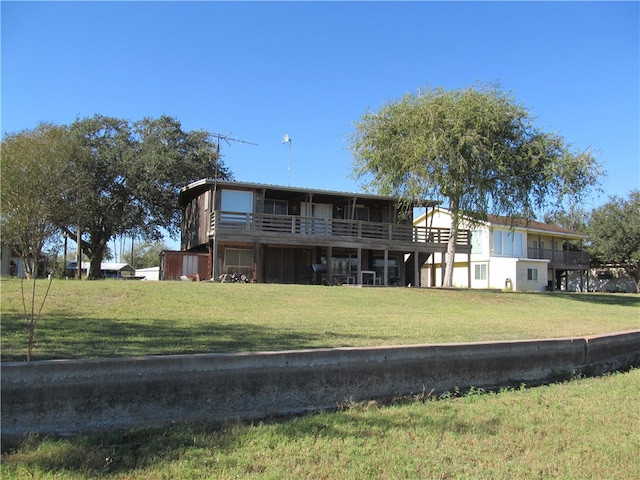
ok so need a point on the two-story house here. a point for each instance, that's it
(526, 256)
(295, 235)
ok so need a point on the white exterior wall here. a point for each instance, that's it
(539, 285)
(151, 273)
(502, 273)
(504, 270)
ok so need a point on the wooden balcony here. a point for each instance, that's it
(561, 258)
(294, 229)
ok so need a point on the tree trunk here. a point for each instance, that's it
(451, 252)
(97, 251)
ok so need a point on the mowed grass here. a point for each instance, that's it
(583, 429)
(91, 319)
(586, 428)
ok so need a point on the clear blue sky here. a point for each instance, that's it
(256, 71)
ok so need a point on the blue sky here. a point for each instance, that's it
(256, 71)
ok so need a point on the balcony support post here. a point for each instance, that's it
(386, 267)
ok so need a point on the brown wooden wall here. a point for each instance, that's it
(176, 264)
(195, 223)
(287, 265)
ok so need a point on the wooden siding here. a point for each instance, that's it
(195, 224)
(176, 264)
(288, 265)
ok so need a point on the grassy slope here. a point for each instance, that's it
(118, 318)
(584, 429)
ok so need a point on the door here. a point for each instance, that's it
(323, 211)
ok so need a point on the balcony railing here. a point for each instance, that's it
(222, 221)
(560, 257)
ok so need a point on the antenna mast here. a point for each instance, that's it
(287, 139)
(228, 139)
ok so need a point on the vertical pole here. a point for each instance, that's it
(289, 165)
(64, 261)
(386, 267)
(433, 270)
(79, 254)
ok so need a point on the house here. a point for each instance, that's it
(11, 263)
(525, 256)
(149, 273)
(275, 234)
(107, 269)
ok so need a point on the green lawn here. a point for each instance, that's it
(89, 319)
(583, 429)
(586, 428)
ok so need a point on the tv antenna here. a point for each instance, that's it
(228, 139)
(287, 139)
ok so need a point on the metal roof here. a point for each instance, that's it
(232, 183)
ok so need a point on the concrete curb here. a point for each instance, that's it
(73, 396)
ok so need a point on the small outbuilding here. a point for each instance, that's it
(107, 269)
(151, 273)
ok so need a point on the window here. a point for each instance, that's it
(532, 274)
(497, 242)
(481, 271)
(507, 243)
(236, 257)
(393, 267)
(476, 241)
(237, 201)
(362, 213)
(238, 261)
(275, 207)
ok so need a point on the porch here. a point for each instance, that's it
(293, 229)
(300, 249)
(561, 259)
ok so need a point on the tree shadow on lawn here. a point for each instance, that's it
(618, 299)
(103, 454)
(60, 336)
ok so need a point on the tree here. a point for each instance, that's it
(614, 232)
(145, 254)
(475, 148)
(34, 175)
(574, 218)
(127, 179)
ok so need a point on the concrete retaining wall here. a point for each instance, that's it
(70, 396)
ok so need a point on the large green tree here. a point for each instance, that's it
(34, 176)
(127, 179)
(145, 254)
(614, 234)
(476, 149)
